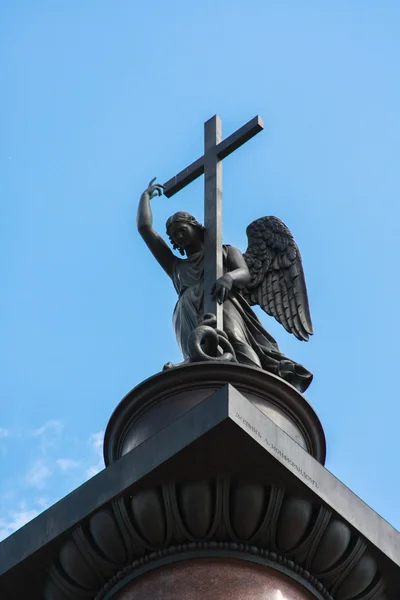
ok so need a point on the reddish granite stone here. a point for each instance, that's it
(213, 579)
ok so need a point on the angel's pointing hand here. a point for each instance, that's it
(154, 189)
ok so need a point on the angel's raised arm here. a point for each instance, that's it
(160, 250)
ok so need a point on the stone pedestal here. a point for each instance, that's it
(164, 398)
(214, 488)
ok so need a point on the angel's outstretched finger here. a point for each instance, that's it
(152, 181)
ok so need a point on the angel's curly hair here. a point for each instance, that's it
(183, 217)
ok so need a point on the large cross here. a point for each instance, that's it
(215, 149)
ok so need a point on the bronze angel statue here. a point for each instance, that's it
(269, 273)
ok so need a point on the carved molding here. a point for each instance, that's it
(261, 520)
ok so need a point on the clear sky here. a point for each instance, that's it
(97, 98)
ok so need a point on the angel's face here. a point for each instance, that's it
(183, 235)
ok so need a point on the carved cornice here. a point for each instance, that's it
(215, 517)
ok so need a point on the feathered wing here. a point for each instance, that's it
(277, 277)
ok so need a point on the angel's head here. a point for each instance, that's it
(184, 232)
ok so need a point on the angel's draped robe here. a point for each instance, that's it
(253, 345)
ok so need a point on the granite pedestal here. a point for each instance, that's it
(214, 488)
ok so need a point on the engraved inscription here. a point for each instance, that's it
(249, 425)
(276, 450)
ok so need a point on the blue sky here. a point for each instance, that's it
(99, 97)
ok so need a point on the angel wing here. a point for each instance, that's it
(277, 278)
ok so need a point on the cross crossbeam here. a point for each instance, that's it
(210, 164)
(220, 150)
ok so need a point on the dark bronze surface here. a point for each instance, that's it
(222, 150)
(272, 277)
(219, 280)
(213, 259)
(277, 278)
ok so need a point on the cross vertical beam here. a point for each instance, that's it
(215, 149)
(213, 268)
